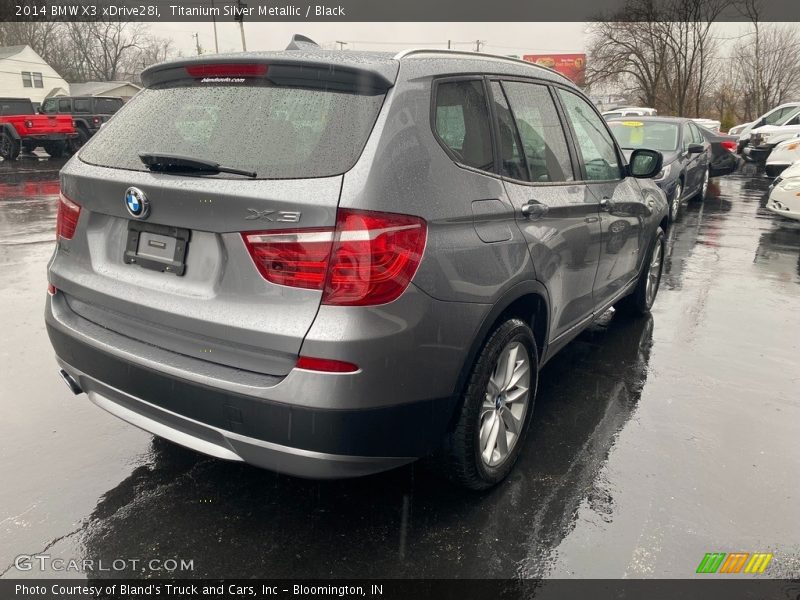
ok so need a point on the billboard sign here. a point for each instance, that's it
(572, 66)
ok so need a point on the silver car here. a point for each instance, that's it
(329, 264)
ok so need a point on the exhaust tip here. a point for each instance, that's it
(71, 383)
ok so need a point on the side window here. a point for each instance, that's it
(687, 136)
(512, 163)
(82, 105)
(543, 141)
(64, 105)
(778, 115)
(462, 122)
(50, 106)
(697, 135)
(594, 141)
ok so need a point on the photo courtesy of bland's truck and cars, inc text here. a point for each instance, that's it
(399, 301)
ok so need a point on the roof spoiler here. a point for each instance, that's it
(301, 42)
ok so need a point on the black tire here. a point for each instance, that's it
(460, 458)
(76, 142)
(703, 191)
(639, 302)
(9, 147)
(55, 149)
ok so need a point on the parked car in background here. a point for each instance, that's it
(88, 112)
(687, 154)
(723, 159)
(784, 196)
(630, 111)
(784, 155)
(776, 116)
(22, 129)
(349, 335)
(709, 124)
(763, 139)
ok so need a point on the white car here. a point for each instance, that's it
(763, 139)
(783, 155)
(784, 199)
(630, 111)
(776, 116)
(709, 124)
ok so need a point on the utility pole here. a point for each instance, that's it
(197, 43)
(478, 44)
(214, 20)
(341, 44)
(240, 6)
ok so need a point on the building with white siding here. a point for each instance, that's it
(25, 74)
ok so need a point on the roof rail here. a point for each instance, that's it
(409, 51)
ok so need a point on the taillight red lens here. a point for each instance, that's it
(730, 146)
(370, 258)
(67, 218)
(325, 365)
(227, 70)
(374, 257)
(297, 258)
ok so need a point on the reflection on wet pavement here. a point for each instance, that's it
(655, 440)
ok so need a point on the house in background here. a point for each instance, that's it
(25, 74)
(121, 89)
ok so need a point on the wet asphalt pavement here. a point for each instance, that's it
(654, 441)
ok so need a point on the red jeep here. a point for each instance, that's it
(22, 128)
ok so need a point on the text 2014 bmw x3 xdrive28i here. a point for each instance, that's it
(330, 263)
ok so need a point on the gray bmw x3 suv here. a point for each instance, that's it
(329, 264)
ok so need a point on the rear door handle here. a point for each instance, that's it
(534, 210)
(607, 204)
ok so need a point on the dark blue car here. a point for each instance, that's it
(686, 151)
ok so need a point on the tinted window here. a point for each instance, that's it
(277, 131)
(512, 163)
(595, 143)
(655, 135)
(64, 105)
(82, 105)
(107, 106)
(50, 105)
(462, 122)
(12, 106)
(543, 141)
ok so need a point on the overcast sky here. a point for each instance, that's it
(500, 38)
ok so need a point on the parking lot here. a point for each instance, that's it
(654, 441)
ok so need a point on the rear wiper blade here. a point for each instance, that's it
(175, 163)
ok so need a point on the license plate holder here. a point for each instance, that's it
(157, 247)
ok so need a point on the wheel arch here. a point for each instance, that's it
(528, 300)
(11, 131)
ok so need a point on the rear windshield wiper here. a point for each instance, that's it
(174, 163)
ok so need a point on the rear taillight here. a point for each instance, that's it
(730, 146)
(370, 258)
(67, 218)
(374, 257)
(96, 120)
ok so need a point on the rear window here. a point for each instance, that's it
(107, 106)
(279, 132)
(16, 107)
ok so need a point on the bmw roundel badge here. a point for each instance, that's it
(136, 202)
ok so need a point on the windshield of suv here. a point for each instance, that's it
(654, 135)
(279, 132)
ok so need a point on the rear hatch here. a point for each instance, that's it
(182, 274)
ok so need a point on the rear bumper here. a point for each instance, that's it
(234, 425)
(48, 137)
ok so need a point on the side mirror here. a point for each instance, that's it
(696, 149)
(645, 164)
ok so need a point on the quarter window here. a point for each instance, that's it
(512, 162)
(462, 122)
(595, 143)
(543, 142)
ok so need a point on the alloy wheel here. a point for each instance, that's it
(505, 404)
(654, 274)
